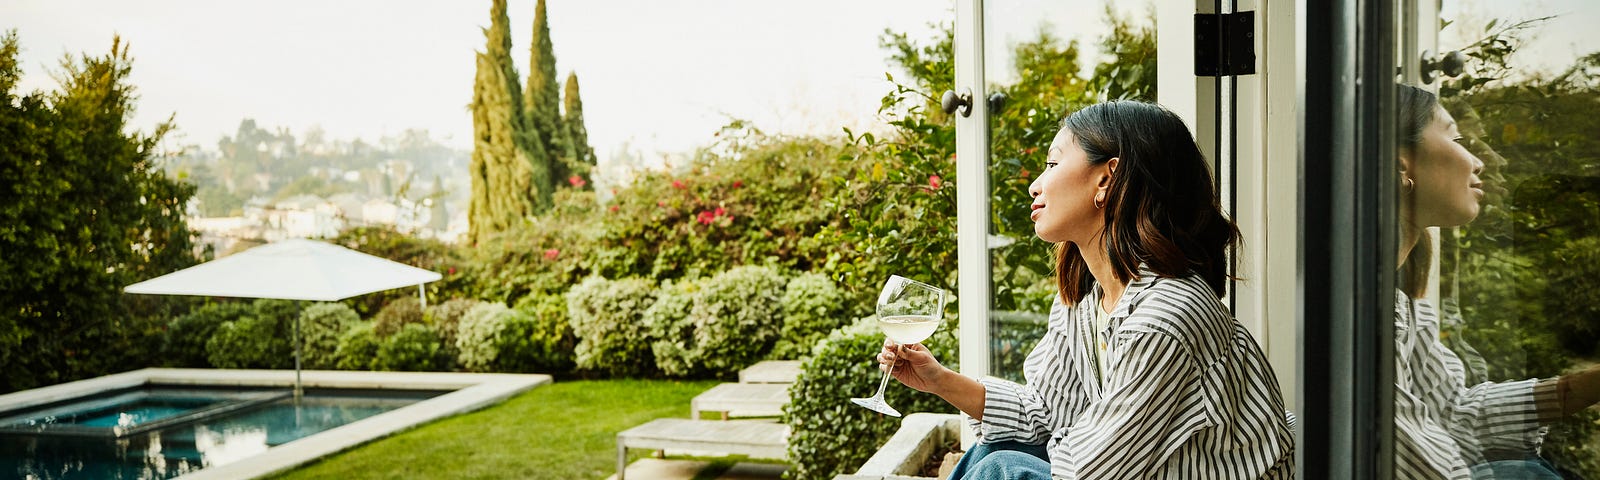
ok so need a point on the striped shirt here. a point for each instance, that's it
(1443, 426)
(1188, 393)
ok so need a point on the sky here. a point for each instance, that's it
(657, 75)
(661, 75)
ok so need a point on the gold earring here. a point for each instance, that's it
(1099, 202)
(1408, 186)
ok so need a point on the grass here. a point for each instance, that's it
(563, 430)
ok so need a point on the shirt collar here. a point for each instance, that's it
(1143, 280)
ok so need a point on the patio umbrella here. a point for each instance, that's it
(290, 270)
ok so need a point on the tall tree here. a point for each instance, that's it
(511, 179)
(577, 133)
(544, 99)
(85, 210)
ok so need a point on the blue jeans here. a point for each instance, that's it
(1003, 461)
(1533, 469)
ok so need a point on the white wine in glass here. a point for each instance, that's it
(908, 312)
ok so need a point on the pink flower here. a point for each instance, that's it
(577, 181)
(677, 184)
(720, 212)
(661, 203)
(551, 254)
(934, 182)
(613, 208)
(705, 218)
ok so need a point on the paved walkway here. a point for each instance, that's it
(658, 469)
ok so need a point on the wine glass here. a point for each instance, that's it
(908, 312)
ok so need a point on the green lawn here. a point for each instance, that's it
(563, 430)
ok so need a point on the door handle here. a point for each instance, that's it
(951, 101)
(1450, 64)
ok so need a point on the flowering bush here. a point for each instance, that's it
(321, 326)
(607, 316)
(445, 319)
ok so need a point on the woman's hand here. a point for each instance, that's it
(914, 366)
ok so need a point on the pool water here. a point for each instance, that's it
(81, 439)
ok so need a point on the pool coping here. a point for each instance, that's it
(472, 391)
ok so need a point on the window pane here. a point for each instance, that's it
(1498, 318)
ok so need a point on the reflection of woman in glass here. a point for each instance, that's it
(1443, 427)
(1142, 372)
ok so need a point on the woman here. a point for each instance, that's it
(1443, 427)
(1142, 372)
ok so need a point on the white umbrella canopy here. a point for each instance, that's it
(289, 270)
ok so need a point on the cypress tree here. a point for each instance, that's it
(577, 133)
(543, 99)
(510, 178)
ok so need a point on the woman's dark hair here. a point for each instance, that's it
(1416, 109)
(1160, 209)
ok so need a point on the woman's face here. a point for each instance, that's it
(1064, 194)
(1447, 190)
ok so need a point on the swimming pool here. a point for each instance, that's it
(203, 424)
(159, 432)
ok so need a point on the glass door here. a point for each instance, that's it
(1497, 304)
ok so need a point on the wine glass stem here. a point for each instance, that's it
(884, 384)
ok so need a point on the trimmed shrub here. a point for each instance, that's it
(540, 339)
(358, 348)
(476, 336)
(321, 325)
(250, 342)
(812, 306)
(397, 314)
(186, 337)
(415, 348)
(829, 435)
(736, 318)
(668, 322)
(607, 316)
(445, 318)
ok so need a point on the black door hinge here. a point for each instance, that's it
(1224, 44)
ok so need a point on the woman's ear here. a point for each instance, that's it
(1111, 169)
(1405, 162)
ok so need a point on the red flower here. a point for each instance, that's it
(452, 270)
(934, 182)
(551, 254)
(677, 184)
(737, 184)
(720, 212)
(613, 208)
(577, 181)
(661, 203)
(705, 218)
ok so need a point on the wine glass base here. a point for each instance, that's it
(876, 405)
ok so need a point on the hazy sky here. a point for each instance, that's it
(660, 74)
(664, 74)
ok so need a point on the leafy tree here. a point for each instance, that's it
(510, 174)
(84, 211)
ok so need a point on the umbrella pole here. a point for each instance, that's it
(422, 296)
(297, 389)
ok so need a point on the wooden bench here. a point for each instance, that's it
(742, 400)
(756, 439)
(771, 371)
